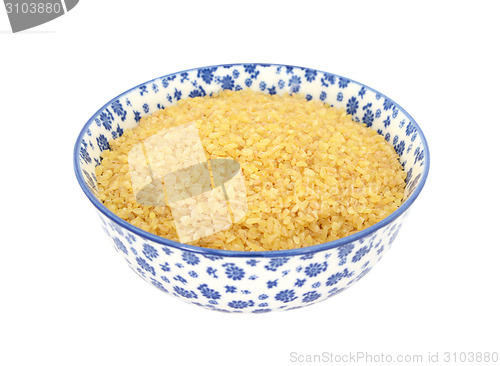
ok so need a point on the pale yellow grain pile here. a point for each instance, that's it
(312, 175)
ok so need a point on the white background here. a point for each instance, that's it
(67, 298)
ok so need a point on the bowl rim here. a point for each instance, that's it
(248, 254)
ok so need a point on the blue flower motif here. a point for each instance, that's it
(327, 80)
(166, 250)
(238, 304)
(360, 253)
(212, 257)
(344, 251)
(263, 296)
(143, 89)
(286, 296)
(145, 265)
(335, 278)
(120, 246)
(208, 292)
(155, 88)
(272, 90)
(184, 77)
(387, 104)
(200, 92)
(315, 269)
(257, 311)
(410, 129)
(102, 142)
(387, 121)
(262, 86)
(380, 250)
(362, 92)
(352, 106)
(164, 278)
(212, 272)
(251, 69)
(400, 148)
(230, 289)
(207, 74)
(281, 84)
(248, 82)
(395, 113)
(307, 256)
(119, 130)
(378, 113)
(233, 272)
(177, 94)
(340, 97)
(140, 272)
(368, 118)
(193, 274)
(185, 293)
(294, 84)
(84, 154)
(271, 284)
(145, 107)
(419, 155)
(311, 296)
(310, 75)
(181, 279)
(363, 274)
(158, 284)
(322, 96)
(106, 119)
(316, 284)
(227, 82)
(149, 252)
(300, 282)
(90, 180)
(190, 258)
(274, 263)
(335, 291)
(343, 83)
(252, 262)
(137, 116)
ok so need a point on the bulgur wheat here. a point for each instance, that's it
(311, 173)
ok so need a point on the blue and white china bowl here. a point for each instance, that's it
(255, 282)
